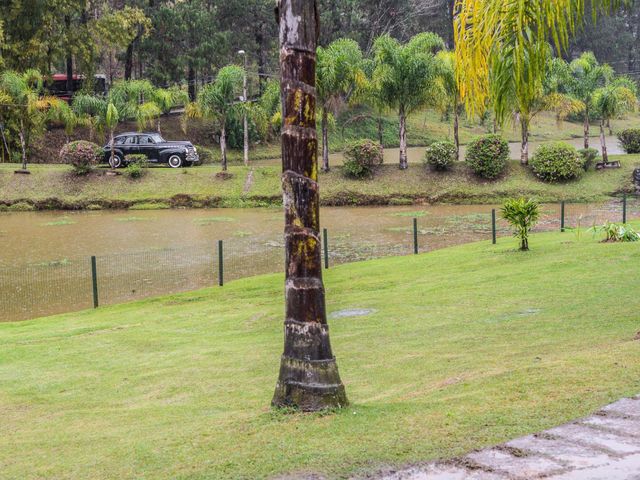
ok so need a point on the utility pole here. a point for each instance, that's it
(245, 99)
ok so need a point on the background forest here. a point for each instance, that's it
(188, 41)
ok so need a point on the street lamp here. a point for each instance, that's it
(245, 99)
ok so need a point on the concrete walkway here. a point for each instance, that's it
(605, 446)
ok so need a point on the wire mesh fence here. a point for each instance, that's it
(58, 286)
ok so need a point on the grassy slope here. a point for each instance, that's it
(427, 126)
(389, 186)
(424, 127)
(469, 346)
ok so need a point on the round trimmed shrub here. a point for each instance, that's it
(630, 140)
(136, 166)
(487, 156)
(361, 157)
(589, 157)
(557, 162)
(440, 155)
(81, 155)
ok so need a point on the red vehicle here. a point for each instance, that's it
(57, 85)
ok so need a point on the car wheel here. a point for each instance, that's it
(175, 161)
(115, 162)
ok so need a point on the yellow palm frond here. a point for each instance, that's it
(487, 29)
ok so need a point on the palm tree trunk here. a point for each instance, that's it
(380, 132)
(456, 131)
(609, 126)
(23, 145)
(524, 150)
(309, 378)
(223, 147)
(603, 143)
(325, 140)
(404, 164)
(112, 145)
(586, 128)
(5, 145)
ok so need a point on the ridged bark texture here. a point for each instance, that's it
(309, 378)
(404, 164)
(603, 143)
(586, 128)
(524, 149)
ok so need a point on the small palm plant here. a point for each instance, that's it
(522, 214)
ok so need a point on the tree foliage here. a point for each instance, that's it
(514, 34)
(522, 214)
(406, 76)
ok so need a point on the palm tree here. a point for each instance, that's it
(540, 94)
(450, 93)
(487, 30)
(611, 101)
(218, 101)
(309, 378)
(167, 98)
(60, 112)
(522, 214)
(90, 111)
(110, 121)
(406, 76)
(25, 107)
(338, 69)
(586, 76)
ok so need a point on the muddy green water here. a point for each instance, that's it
(45, 260)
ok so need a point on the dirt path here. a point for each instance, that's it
(605, 446)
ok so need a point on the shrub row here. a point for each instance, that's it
(487, 157)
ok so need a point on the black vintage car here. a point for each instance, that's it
(156, 149)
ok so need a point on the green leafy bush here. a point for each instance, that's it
(630, 140)
(617, 232)
(136, 166)
(487, 156)
(361, 157)
(81, 155)
(522, 214)
(557, 162)
(589, 157)
(206, 155)
(440, 155)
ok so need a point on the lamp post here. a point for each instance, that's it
(244, 99)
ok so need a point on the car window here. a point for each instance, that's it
(131, 141)
(145, 140)
(120, 140)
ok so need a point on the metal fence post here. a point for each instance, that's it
(624, 208)
(562, 216)
(325, 245)
(220, 264)
(94, 281)
(493, 226)
(415, 236)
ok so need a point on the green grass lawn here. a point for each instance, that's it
(55, 187)
(468, 347)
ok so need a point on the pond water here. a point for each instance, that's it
(416, 154)
(45, 262)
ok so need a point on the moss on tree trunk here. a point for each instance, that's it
(309, 378)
